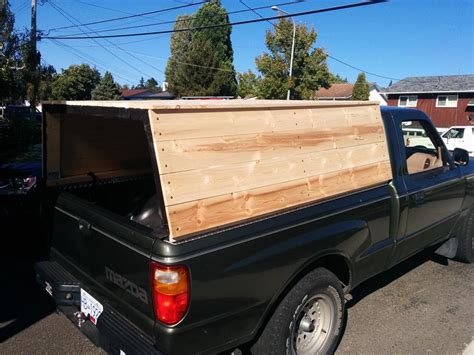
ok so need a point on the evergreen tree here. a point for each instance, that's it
(310, 70)
(141, 84)
(206, 68)
(75, 83)
(107, 89)
(247, 84)
(179, 46)
(152, 84)
(361, 91)
(337, 79)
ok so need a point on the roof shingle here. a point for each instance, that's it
(433, 84)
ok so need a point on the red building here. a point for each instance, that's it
(448, 100)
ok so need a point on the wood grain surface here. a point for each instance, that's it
(221, 166)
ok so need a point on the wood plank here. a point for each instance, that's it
(214, 181)
(219, 211)
(203, 124)
(187, 154)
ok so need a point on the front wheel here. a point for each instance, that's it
(308, 320)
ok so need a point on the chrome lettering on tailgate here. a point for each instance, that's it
(126, 284)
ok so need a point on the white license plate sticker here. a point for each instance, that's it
(90, 306)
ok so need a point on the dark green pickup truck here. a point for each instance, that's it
(274, 284)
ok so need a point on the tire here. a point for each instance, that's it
(308, 320)
(465, 251)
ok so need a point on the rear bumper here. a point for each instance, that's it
(113, 332)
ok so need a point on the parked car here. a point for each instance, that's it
(19, 188)
(460, 137)
(20, 111)
(201, 227)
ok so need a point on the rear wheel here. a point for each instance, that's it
(308, 320)
(465, 251)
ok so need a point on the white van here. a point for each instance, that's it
(460, 137)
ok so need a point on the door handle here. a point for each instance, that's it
(419, 198)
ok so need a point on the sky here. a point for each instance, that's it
(395, 39)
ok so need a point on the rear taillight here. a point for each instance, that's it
(170, 289)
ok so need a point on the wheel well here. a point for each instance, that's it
(335, 263)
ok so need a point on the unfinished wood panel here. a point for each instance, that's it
(217, 211)
(97, 145)
(214, 181)
(219, 167)
(53, 144)
(183, 155)
(184, 124)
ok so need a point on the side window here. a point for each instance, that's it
(422, 151)
(454, 133)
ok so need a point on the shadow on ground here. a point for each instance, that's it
(22, 302)
(381, 280)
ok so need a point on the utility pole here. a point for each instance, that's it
(34, 60)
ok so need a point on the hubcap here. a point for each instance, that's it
(313, 325)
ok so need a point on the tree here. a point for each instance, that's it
(12, 85)
(141, 84)
(310, 70)
(337, 79)
(179, 46)
(152, 84)
(47, 75)
(201, 62)
(75, 83)
(247, 84)
(361, 91)
(107, 89)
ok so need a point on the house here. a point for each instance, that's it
(145, 94)
(343, 91)
(448, 100)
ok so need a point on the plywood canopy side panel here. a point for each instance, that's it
(210, 160)
(209, 213)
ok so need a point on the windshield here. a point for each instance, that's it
(454, 133)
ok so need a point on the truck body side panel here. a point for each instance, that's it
(237, 283)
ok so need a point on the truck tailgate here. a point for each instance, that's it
(109, 256)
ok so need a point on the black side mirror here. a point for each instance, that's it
(461, 156)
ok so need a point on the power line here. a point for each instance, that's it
(330, 56)
(66, 15)
(180, 20)
(131, 16)
(359, 69)
(237, 23)
(82, 56)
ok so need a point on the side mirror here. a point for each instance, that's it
(461, 156)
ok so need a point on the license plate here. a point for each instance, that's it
(90, 306)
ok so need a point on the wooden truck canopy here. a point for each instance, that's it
(220, 163)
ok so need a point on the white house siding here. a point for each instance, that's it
(375, 96)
